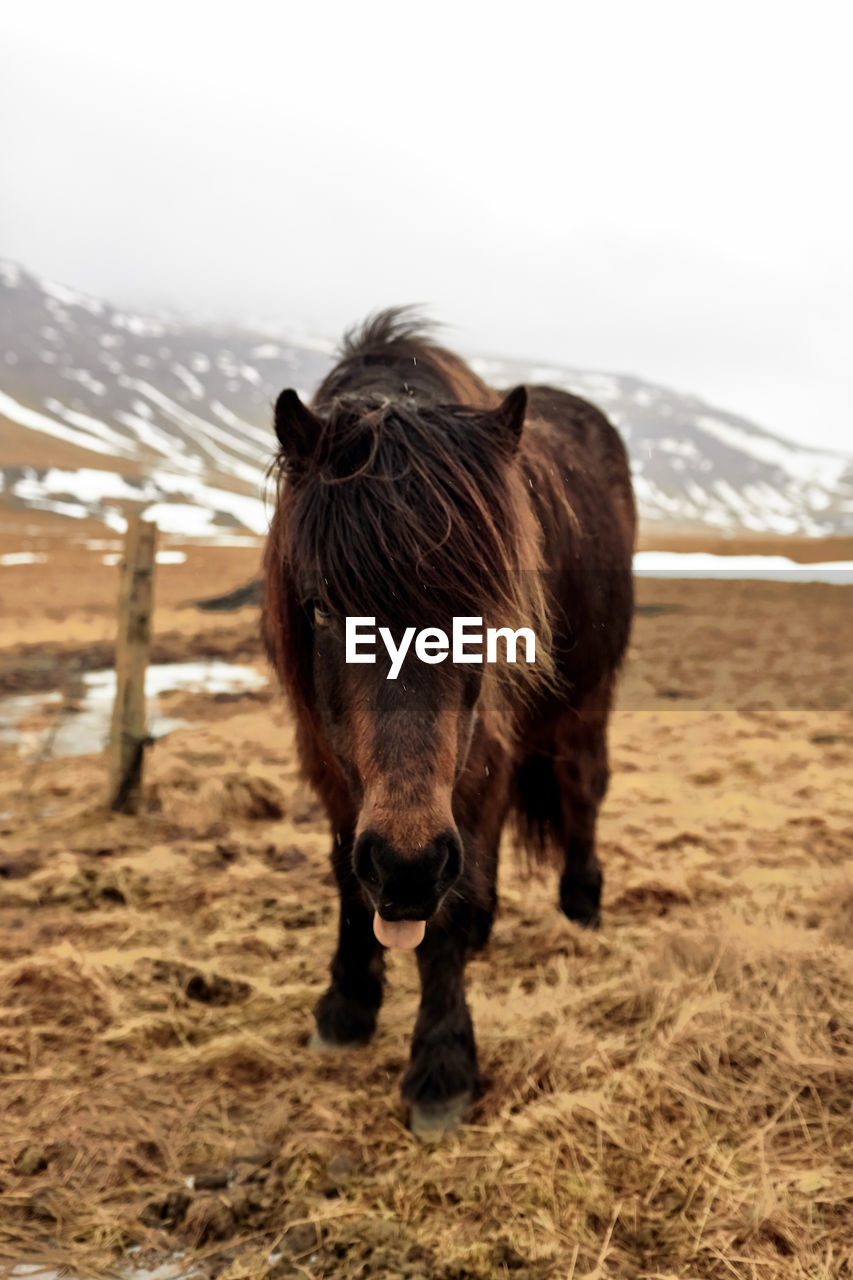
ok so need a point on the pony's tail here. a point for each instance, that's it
(559, 788)
(536, 811)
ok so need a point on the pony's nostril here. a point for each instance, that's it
(452, 864)
(367, 866)
(439, 860)
(376, 865)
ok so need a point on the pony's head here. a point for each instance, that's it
(409, 514)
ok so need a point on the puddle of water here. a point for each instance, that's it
(85, 731)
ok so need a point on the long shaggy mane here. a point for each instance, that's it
(409, 509)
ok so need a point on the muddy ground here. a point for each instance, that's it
(668, 1097)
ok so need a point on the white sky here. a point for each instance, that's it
(661, 188)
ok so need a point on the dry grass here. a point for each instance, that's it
(671, 1097)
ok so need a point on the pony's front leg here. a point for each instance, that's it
(346, 1013)
(442, 1073)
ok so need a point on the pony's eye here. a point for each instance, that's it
(321, 617)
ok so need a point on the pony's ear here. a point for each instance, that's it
(509, 417)
(297, 428)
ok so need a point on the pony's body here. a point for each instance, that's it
(420, 777)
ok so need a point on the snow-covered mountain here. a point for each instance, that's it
(101, 407)
(697, 467)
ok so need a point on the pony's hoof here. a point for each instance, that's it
(327, 1044)
(342, 1022)
(432, 1121)
(580, 901)
(586, 919)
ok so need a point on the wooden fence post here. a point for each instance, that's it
(128, 738)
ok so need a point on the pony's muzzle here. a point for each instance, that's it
(407, 886)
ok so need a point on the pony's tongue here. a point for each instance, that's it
(405, 934)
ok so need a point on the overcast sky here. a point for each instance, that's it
(658, 188)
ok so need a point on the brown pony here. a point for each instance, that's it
(411, 493)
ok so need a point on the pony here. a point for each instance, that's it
(410, 493)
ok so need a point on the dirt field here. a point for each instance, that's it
(670, 1097)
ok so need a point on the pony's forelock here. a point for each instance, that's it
(415, 514)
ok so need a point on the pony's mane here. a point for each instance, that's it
(411, 510)
(395, 326)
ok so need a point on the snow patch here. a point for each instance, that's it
(161, 557)
(159, 441)
(84, 377)
(181, 517)
(249, 511)
(27, 417)
(189, 380)
(23, 557)
(203, 433)
(10, 274)
(263, 438)
(118, 444)
(701, 564)
(818, 466)
(86, 486)
(71, 297)
(142, 326)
